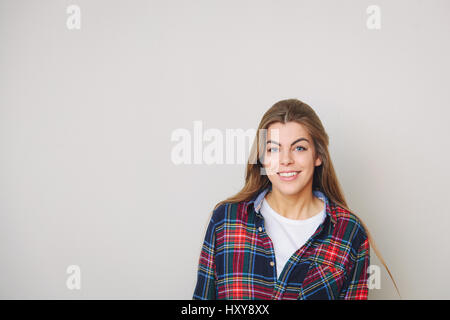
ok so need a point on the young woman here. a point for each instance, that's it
(288, 234)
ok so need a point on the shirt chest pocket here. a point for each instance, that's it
(322, 281)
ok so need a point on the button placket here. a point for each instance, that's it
(272, 253)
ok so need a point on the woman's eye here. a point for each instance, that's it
(274, 149)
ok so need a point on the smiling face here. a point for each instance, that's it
(289, 157)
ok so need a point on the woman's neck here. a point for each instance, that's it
(300, 206)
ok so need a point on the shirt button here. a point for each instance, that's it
(272, 263)
(260, 229)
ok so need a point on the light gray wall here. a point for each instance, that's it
(86, 118)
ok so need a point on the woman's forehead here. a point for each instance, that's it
(287, 132)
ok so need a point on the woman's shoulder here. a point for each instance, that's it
(229, 211)
(343, 214)
(347, 221)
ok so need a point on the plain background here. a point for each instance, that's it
(86, 176)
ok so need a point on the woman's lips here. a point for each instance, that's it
(289, 175)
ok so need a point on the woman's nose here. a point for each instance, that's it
(285, 158)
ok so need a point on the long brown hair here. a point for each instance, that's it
(324, 178)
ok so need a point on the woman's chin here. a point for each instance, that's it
(289, 189)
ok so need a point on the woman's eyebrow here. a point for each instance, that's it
(299, 139)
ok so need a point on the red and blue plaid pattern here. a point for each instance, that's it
(237, 260)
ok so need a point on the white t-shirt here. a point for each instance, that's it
(288, 235)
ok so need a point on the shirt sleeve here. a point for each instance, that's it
(206, 281)
(356, 287)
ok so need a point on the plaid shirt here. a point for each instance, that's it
(237, 260)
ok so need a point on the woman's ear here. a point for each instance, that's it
(318, 162)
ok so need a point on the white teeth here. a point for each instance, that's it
(290, 174)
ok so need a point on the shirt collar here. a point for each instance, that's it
(257, 201)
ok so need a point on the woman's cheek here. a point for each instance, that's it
(271, 169)
(270, 165)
